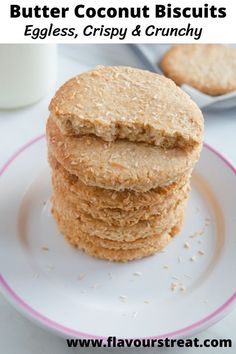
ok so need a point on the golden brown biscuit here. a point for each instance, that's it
(210, 68)
(116, 216)
(102, 198)
(127, 103)
(94, 227)
(121, 164)
(113, 250)
(70, 228)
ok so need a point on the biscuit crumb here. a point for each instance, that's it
(166, 266)
(193, 235)
(147, 301)
(138, 274)
(201, 252)
(123, 298)
(49, 267)
(202, 232)
(173, 286)
(193, 258)
(207, 222)
(44, 248)
(182, 288)
(188, 276)
(95, 286)
(186, 245)
(81, 276)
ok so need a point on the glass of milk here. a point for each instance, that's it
(27, 72)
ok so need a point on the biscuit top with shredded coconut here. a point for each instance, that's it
(210, 68)
(121, 164)
(126, 103)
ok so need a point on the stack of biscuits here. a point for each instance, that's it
(122, 144)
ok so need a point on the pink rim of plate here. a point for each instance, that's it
(27, 309)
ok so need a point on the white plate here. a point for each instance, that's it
(45, 283)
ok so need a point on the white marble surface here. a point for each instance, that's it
(17, 334)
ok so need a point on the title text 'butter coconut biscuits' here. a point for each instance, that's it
(121, 164)
(210, 68)
(126, 103)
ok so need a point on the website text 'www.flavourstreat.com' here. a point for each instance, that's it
(114, 342)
